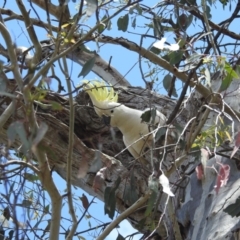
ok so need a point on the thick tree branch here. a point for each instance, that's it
(205, 92)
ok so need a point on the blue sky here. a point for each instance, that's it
(123, 60)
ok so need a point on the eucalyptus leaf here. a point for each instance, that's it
(155, 50)
(17, 128)
(167, 84)
(91, 7)
(110, 199)
(120, 237)
(194, 58)
(208, 12)
(26, 203)
(134, 23)
(40, 133)
(135, 7)
(207, 77)
(150, 203)
(23, 136)
(233, 209)
(175, 57)
(146, 116)
(226, 82)
(161, 132)
(87, 67)
(2, 232)
(230, 70)
(157, 28)
(30, 177)
(10, 234)
(123, 23)
(11, 134)
(3, 84)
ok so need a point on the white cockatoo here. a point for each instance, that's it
(24, 55)
(136, 134)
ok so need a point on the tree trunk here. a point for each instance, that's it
(196, 206)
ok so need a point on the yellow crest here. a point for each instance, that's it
(99, 91)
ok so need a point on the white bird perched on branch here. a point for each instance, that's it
(136, 133)
(24, 55)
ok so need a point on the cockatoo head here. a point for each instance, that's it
(104, 99)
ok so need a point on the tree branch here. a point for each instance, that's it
(139, 203)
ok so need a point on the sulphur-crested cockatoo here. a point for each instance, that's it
(136, 134)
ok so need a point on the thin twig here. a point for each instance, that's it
(70, 152)
(124, 215)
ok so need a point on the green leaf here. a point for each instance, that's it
(230, 70)
(166, 57)
(224, 2)
(22, 135)
(108, 24)
(141, 224)
(26, 203)
(3, 84)
(85, 49)
(167, 84)
(155, 50)
(131, 9)
(40, 134)
(182, 21)
(134, 23)
(157, 28)
(146, 116)
(46, 209)
(6, 213)
(153, 115)
(89, 224)
(139, 9)
(150, 203)
(91, 7)
(120, 237)
(210, 2)
(161, 132)
(194, 58)
(87, 67)
(2, 233)
(10, 235)
(123, 23)
(233, 209)
(105, 25)
(189, 20)
(17, 128)
(101, 28)
(56, 106)
(175, 57)
(130, 194)
(11, 134)
(110, 199)
(31, 177)
(135, 7)
(226, 82)
(208, 12)
(81, 238)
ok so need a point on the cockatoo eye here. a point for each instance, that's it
(112, 111)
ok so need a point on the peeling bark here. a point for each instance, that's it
(201, 213)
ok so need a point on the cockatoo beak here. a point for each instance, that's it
(106, 120)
